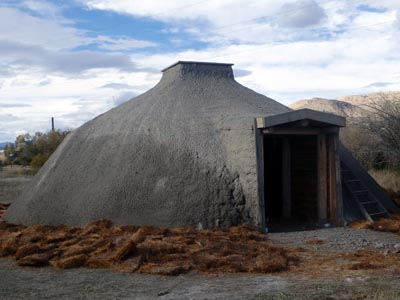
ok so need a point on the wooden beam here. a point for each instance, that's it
(301, 114)
(301, 131)
(305, 123)
(322, 179)
(259, 139)
(290, 131)
(286, 179)
(332, 180)
(331, 130)
(339, 192)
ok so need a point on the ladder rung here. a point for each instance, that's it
(369, 202)
(353, 180)
(361, 195)
(379, 213)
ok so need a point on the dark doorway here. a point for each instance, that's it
(273, 177)
(300, 186)
(304, 169)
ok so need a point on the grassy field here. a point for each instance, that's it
(12, 181)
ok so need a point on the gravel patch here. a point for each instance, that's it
(50, 283)
(339, 239)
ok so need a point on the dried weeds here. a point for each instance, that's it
(384, 225)
(175, 251)
(3, 208)
(395, 195)
(315, 242)
(144, 249)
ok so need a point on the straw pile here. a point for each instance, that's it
(143, 249)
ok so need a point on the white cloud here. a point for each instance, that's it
(219, 17)
(118, 86)
(7, 118)
(27, 56)
(123, 97)
(397, 22)
(20, 27)
(256, 22)
(71, 100)
(44, 8)
(328, 50)
(300, 14)
(122, 43)
(329, 67)
(8, 105)
(56, 33)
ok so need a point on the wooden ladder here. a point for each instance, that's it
(369, 205)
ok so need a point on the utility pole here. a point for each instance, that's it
(52, 124)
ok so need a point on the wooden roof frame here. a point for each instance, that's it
(326, 127)
(327, 119)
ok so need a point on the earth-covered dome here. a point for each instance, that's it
(181, 154)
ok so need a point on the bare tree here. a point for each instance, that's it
(364, 145)
(384, 122)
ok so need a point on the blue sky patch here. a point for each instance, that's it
(373, 9)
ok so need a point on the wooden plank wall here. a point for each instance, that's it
(304, 177)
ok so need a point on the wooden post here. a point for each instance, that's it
(259, 137)
(322, 179)
(286, 179)
(339, 192)
(332, 181)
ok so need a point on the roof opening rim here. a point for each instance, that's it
(196, 62)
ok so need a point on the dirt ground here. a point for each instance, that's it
(327, 264)
(51, 283)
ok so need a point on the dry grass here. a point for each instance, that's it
(325, 264)
(384, 225)
(143, 249)
(12, 181)
(390, 181)
(395, 196)
(175, 251)
(315, 242)
(3, 208)
(364, 265)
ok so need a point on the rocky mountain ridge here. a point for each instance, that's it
(353, 106)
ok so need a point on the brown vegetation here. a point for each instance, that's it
(143, 249)
(315, 242)
(395, 196)
(175, 251)
(322, 264)
(33, 150)
(385, 225)
(363, 265)
(3, 208)
(390, 181)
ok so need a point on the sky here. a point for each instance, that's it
(73, 60)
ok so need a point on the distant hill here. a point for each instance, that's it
(337, 107)
(4, 144)
(364, 100)
(348, 106)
